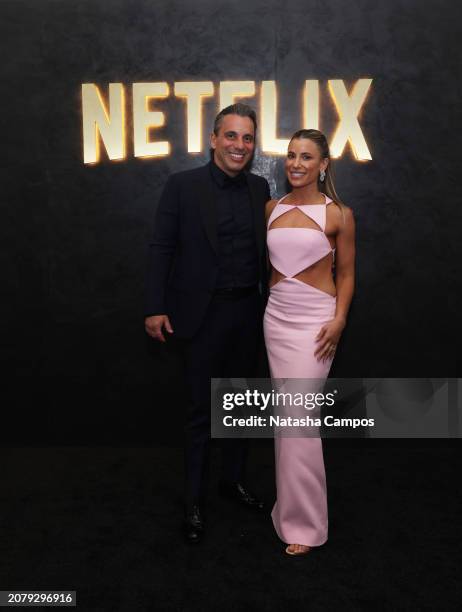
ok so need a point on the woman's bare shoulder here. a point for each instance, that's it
(340, 212)
(348, 215)
(269, 207)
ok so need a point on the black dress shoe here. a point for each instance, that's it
(235, 491)
(193, 526)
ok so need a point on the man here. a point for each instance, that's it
(206, 282)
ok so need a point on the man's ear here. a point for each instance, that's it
(213, 139)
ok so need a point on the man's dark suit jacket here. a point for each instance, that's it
(183, 263)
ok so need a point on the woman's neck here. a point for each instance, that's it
(309, 194)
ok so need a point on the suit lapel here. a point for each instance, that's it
(258, 214)
(208, 207)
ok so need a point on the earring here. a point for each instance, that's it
(322, 176)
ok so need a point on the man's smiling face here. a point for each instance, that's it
(234, 144)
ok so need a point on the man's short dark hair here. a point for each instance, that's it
(243, 110)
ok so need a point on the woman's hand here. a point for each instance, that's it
(328, 338)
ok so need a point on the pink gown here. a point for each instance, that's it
(294, 315)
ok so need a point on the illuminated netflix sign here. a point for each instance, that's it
(104, 117)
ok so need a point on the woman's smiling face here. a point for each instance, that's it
(303, 162)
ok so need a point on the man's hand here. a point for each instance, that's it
(153, 326)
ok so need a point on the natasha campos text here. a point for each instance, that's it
(288, 421)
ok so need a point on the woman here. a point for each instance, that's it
(308, 229)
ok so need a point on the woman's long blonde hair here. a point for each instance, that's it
(327, 186)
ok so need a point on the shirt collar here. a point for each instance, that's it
(224, 180)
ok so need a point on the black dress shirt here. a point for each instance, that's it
(237, 249)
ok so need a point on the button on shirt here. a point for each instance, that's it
(237, 250)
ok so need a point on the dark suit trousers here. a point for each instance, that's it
(225, 346)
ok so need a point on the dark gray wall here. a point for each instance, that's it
(74, 236)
